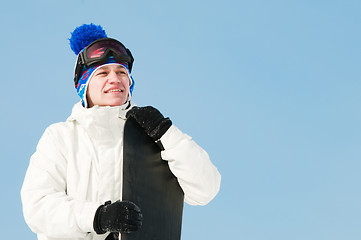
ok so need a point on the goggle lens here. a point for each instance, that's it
(97, 49)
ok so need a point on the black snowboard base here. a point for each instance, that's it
(148, 182)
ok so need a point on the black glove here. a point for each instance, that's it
(153, 122)
(120, 216)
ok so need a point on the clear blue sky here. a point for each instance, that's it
(271, 89)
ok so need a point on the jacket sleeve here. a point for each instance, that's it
(46, 206)
(197, 176)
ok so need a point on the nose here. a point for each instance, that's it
(113, 77)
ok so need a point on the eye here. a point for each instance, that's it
(120, 73)
(101, 73)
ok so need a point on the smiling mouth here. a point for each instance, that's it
(114, 90)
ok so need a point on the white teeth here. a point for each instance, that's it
(115, 90)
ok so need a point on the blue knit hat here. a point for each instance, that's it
(80, 38)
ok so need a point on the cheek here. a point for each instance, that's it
(93, 88)
(96, 85)
(126, 82)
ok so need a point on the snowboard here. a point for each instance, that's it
(149, 183)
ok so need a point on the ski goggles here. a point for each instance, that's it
(98, 52)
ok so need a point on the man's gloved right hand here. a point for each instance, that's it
(120, 216)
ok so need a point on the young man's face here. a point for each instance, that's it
(109, 86)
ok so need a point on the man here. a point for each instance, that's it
(77, 166)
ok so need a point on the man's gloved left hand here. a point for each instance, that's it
(153, 122)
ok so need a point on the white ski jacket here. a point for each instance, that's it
(77, 167)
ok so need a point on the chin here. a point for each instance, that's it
(116, 103)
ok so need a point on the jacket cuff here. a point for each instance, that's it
(172, 137)
(86, 217)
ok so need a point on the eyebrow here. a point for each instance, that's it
(103, 68)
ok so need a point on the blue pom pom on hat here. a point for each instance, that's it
(80, 38)
(84, 35)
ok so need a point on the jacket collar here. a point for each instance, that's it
(102, 124)
(81, 114)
